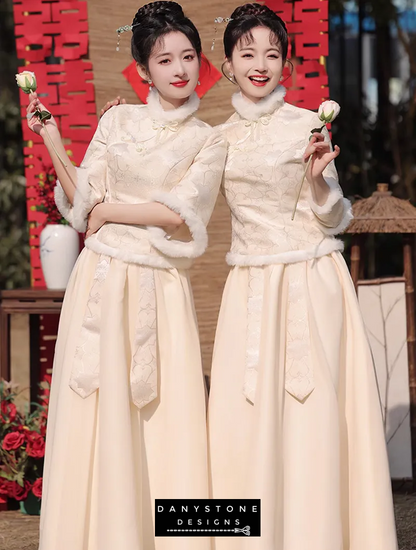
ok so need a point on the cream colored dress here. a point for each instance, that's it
(127, 416)
(294, 411)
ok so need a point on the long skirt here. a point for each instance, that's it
(319, 464)
(107, 460)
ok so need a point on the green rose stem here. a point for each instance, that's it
(315, 130)
(46, 115)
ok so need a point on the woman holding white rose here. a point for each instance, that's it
(127, 414)
(294, 413)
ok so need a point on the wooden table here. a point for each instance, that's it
(35, 302)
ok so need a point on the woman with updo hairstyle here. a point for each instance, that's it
(127, 414)
(294, 412)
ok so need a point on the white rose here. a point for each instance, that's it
(328, 111)
(26, 81)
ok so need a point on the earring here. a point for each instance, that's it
(199, 84)
(150, 82)
(229, 76)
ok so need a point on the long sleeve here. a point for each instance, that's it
(91, 179)
(335, 215)
(194, 200)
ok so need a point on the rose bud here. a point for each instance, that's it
(26, 80)
(328, 111)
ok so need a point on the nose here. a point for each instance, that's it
(180, 70)
(261, 65)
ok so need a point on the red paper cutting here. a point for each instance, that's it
(307, 24)
(71, 46)
(70, 12)
(36, 11)
(43, 45)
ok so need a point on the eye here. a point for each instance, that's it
(247, 55)
(189, 57)
(164, 61)
(274, 56)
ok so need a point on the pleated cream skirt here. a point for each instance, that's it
(320, 466)
(107, 461)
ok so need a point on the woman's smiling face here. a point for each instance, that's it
(257, 63)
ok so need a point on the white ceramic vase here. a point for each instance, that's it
(59, 249)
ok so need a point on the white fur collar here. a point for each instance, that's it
(266, 106)
(157, 112)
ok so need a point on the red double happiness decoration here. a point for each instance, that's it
(52, 39)
(307, 25)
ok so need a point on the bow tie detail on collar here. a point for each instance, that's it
(265, 119)
(255, 125)
(161, 126)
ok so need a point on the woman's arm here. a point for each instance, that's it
(67, 175)
(325, 197)
(151, 213)
(188, 205)
(321, 157)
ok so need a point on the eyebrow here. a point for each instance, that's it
(252, 49)
(164, 54)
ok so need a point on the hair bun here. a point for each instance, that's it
(253, 10)
(161, 8)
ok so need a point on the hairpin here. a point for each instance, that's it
(120, 30)
(219, 20)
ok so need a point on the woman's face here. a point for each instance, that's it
(173, 68)
(257, 65)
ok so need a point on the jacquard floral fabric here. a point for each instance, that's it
(262, 177)
(140, 154)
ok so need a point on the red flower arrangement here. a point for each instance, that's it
(45, 193)
(22, 444)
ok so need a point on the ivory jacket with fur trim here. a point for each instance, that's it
(141, 154)
(263, 173)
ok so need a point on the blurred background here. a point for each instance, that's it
(372, 74)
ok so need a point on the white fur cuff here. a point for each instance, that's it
(62, 203)
(343, 224)
(178, 249)
(77, 213)
(81, 201)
